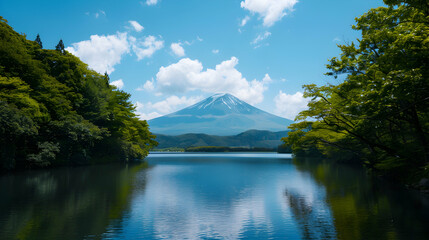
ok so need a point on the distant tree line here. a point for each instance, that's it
(379, 113)
(56, 111)
(228, 149)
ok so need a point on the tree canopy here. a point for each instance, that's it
(54, 110)
(379, 114)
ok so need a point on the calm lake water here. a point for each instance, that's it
(209, 196)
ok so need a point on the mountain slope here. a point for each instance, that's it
(220, 114)
(251, 138)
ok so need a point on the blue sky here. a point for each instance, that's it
(170, 54)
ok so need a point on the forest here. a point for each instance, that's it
(378, 113)
(55, 111)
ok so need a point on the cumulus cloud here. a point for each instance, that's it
(171, 104)
(261, 37)
(188, 75)
(215, 51)
(147, 47)
(137, 27)
(101, 53)
(267, 78)
(270, 11)
(118, 83)
(151, 2)
(244, 21)
(288, 105)
(178, 49)
(148, 116)
(139, 106)
(148, 85)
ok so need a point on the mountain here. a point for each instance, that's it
(220, 114)
(249, 139)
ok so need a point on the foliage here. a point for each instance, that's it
(250, 138)
(60, 46)
(56, 111)
(380, 112)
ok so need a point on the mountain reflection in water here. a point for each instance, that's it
(210, 196)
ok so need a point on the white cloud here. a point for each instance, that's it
(136, 26)
(149, 85)
(336, 39)
(147, 47)
(261, 37)
(151, 2)
(288, 105)
(177, 49)
(101, 53)
(139, 106)
(187, 75)
(267, 78)
(171, 104)
(148, 116)
(215, 51)
(270, 11)
(244, 21)
(118, 83)
(99, 13)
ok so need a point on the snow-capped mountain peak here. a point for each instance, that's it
(220, 114)
(223, 100)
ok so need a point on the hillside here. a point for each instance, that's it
(251, 138)
(54, 110)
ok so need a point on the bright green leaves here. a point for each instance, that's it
(17, 93)
(54, 110)
(381, 110)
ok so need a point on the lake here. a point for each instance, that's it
(209, 196)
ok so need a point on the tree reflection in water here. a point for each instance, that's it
(315, 222)
(69, 203)
(362, 206)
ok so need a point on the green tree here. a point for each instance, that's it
(56, 111)
(15, 129)
(39, 41)
(380, 112)
(60, 46)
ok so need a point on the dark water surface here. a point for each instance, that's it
(209, 196)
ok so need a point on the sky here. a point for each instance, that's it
(170, 54)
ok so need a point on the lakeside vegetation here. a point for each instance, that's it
(250, 138)
(280, 149)
(56, 111)
(229, 149)
(378, 114)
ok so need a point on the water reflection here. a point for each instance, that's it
(209, 196)
(313, 218)
(69, 203)
(200, 198)
(365, 207)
